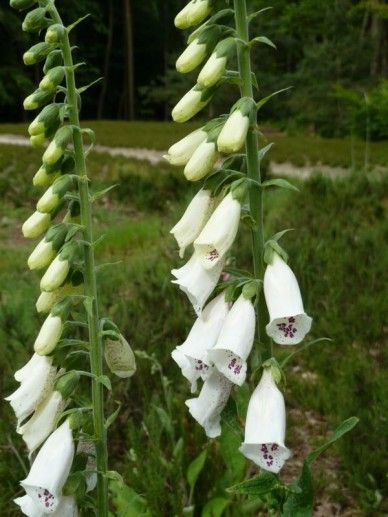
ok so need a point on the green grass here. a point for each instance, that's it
(336, 251)
(298, 150)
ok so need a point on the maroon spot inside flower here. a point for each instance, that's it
(288, 330)
(213, 255)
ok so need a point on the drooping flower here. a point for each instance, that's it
(265, 426)
(288, 322)
(207, 407)
(196, 281)
(215, 66)
(234, 132)
(193, 220)
(202, 337)
(181, 152)
(67, 507)
(50, 469)
(235, 341)
(37, 379)
(52, 328)
(219, 233)
(192, 14)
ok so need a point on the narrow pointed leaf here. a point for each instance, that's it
(263, 101)
(279, 182)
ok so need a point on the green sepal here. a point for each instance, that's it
(55, 33)
(35, 20)
(262, 39)
(246, 105)
(22, 5)
(264, 150)
(37, 53)
(74, 484)
(46, 122)
(225, 48)
(62, 308)
(209, 37)
(111, 418)
(69, 251)
(276, 370)
(220, 179)
(55, 58)
(239, 189)
(225, 15)
(57, 235)
(251, 289)
(272, 246)
(62, 185)
(63, 136)
(67, 383)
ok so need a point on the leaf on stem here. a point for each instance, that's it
(261, 102)
(111, 418)
(195, 468)
(279, 182)
(257, 486)
(262, 39)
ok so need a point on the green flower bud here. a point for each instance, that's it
(215, 66)
(53, 196)
(74, 213)
(21, 5)
(47, 119)
(53, 78)
(55, 33)
(191, 103)
(37, 140)
(47, 174)
(35, 20)
(52, 328)
(47, 300)
(37, 99)
(55, 58)
(119, 357)
(57, 147)
(36, 53)
(46, 250)
(67, 383)
(192, 14)
(36, 224)
(59, 268)
(234, 132)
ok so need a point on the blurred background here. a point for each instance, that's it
(330, 133)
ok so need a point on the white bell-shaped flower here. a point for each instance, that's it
(35, 431)
(196, 281)
(235, 341)
(193, 220)
(202, 337)
(28, 369)
(234, 133)
(181, 152)
(202, 161)
(207, 407)
(50, 469)
(49, 335)
(288, 322)
(34, 387)
(219, 233)
(265, 426)
(67, 507)
(191, 57)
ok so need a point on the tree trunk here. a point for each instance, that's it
(129, 60)
(108, 52)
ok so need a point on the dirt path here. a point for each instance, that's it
(153, 156)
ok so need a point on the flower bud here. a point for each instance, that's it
(59, 268)
(53, 196)
(198, 49)
(47, 174)
(57, 147)
(192, 14)
(191, 103)
(36, 53)
(35, 20)
(36, 224)
(51, 330)
(21, 5)
(215, 66)
(48, 247)
(37, 99)
(234, 132)
(181, 152)
(55, 58)
(47, 300)
(73, 214)
(47, 119)
(53, 78)
(55, 33)
(119, 357)
(67, 383)
(37, 140)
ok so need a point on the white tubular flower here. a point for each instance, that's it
(181, 152)
(202, 337)
(67, 507)
(37, 379)
(235, 341)
(190, 104)
(196, 281)
(50, 469)
(193, 220)
(202, 161)
(234, 133)
(35, 431)
(219, 232)
(192, 14)
(36, 224)
(288, 322)
(207, 408)
(191, 57)
(215, 66)
(265, 426)
(49, 335)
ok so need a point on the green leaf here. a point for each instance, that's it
(262, 39)
(343, 428)
(263, 101)
(104, 379)
(101, 193)
(257, 13)
(111, 418)
(264, 150)
(257, 486)
(229, 417)
(165, 420)
(279, 182)
(113, 475)
(127, 502)
(299, 502)
(88, 304)
(215, 507)
(195, 469)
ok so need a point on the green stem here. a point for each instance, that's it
(96, 365)
(253, 167)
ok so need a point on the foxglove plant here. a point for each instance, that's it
(223, 156)
(53, 407)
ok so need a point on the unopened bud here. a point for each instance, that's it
(119, 357)
(37, 140)
(215, 66)
(53, 78)
(198, 49)
(55, 33)
(36, 53)
(36, 224)
(181, 152)
(53, 196)
(35, 20)
(57, 147)
(37, 99)
(191, 103)
(192, 14)
(234, 132)
(67, 383)
(55, 58)
(74, 286)
(21, 5)
(49, 335)
(47, 119)
(48, 247)
(59, 268)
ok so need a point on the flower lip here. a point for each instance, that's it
(268, 456)
(289, 330)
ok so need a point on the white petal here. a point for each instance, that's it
(219, 232)
(66, 508)
(55, 274)
(181, 152)
(29, 368)
(49, 335)
(235, 341)
(196, 281)
(36, 224)
(212, 71)
(265, 426)
(189, 105)
(50, 469)
(42, 255)
(288, 322)
(234, 132)
(202, 161)
(187, 368)
(191, 57)
(193, 220)
(207, 408)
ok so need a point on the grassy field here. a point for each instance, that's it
(337, 253)
(299, 150)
